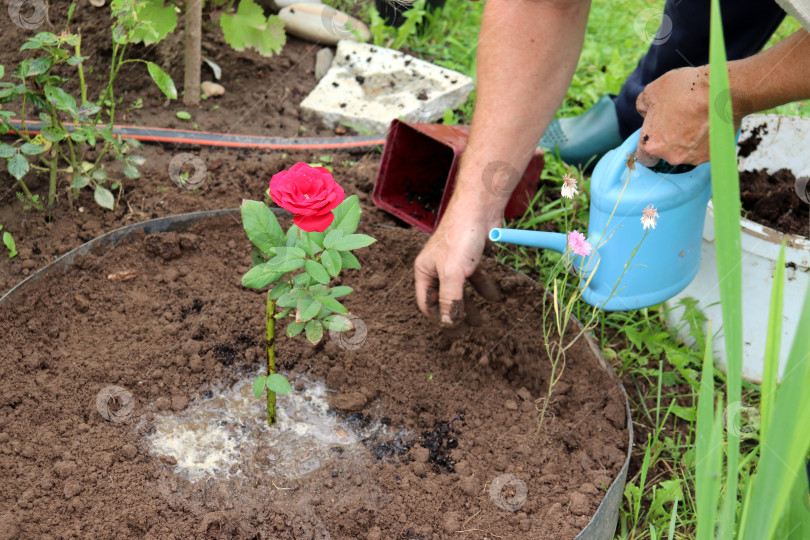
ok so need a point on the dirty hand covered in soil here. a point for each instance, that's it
(458, 410)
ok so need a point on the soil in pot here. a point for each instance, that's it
(183, 327)
(770, 199)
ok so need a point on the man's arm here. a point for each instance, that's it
(676, 106)
(527, 53)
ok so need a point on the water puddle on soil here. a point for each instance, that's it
(227, 435)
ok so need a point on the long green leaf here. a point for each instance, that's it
(772, 343)
(708, 453)
(726, 193)
(784, 448)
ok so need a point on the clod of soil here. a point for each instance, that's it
(69, 472)
(771, 200)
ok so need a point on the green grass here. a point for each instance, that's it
(662, 376)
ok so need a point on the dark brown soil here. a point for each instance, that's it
(262, 93)
(467, 398)
(233, 175)
(262, 98)
(771, 200)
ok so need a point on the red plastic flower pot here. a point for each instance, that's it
(418, 171)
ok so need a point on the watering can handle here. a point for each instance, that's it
(616, 161)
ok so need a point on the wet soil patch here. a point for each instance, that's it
(770, 199)
(69, 472)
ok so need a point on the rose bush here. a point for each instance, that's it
(310, 193)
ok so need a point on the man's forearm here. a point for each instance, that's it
(528, 51)
(775, 76)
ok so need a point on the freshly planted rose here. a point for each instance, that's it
(310, 193)
(301, 263)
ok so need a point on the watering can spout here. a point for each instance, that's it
(537, 239)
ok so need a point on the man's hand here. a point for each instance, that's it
(676, 106)
(450, 257)
(676, 118)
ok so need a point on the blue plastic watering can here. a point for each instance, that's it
(668, 258)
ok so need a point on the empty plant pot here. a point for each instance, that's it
(418, 171)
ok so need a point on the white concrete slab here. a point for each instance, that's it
(369, 86)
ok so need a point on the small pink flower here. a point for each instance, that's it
(649, 217)
(569, 188)
(578, 244)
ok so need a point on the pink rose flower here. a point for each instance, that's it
(309, 193)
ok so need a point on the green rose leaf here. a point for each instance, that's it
(6, 150)
(295, 328)
(332, 237)
(308, 308)
(293, 235)
(256, 256)
(258, 385)
(338, 323)
(31, 149)
(278, 384)
(162, 79)
(53, 134)
(348, 260)
(314, 332)
(281, 263)
(80, 182)
(130, 171)
(316, 238)
(331, 261)
(280, 315)
(261, 276)
(18, 166)
(354, 241)
(302, 280)
(287, 300)
(341, 290)
(104, 198)
(289, 252)
(281, 288)
(347, 215)
(317, 271)
(261, 226)
(61, 100)
(331, 304)
(319, 290)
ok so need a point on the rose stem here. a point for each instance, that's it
(270, 350)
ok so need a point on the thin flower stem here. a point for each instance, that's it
(270, 351)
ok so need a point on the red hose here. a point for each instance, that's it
(202, 138)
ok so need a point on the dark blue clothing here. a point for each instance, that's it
(683, 41)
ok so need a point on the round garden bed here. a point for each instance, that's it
(163, 317)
